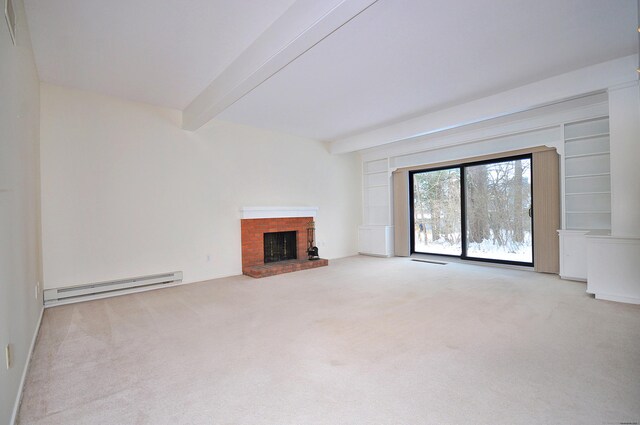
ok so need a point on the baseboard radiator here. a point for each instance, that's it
(110, 288)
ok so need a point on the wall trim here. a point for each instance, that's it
(623, 85)
(475, 158)
(27, 363)
(526, 122)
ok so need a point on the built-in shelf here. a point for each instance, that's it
(590, 136)
(584, 155)
(588, 212)
(587, 183)
(375, 193)
(578, 176)
(587, 193)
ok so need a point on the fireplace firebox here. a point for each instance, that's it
(280, 246)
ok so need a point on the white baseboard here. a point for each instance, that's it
(374, 255)
(577, 279)
(16, 406)
(617, 298)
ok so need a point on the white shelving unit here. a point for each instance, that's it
(375, 235)
(587, 184)
(375, 184)
(586, 192)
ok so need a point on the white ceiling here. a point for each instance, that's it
(397, 59)
(403, 57)
(162, 52)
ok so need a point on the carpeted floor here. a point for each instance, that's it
(363, 341)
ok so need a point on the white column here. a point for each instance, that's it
(613, 260)
(624, 121)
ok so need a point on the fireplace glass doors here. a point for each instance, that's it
(280, 246)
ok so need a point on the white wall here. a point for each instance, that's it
(624, 106)
(19, 206)
(127, 192)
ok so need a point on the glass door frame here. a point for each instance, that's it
(463, 210)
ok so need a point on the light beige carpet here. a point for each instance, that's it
(363, 341)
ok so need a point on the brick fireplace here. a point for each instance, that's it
(256, 221)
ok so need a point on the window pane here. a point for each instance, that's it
(436, 212)
(498, 197)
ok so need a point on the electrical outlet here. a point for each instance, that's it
(8, 356)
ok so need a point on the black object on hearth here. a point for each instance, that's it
(312, 249)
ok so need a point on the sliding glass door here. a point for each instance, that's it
(497, 211)
(478, 211)
(437, 223)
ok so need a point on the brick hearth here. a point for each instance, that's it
(253, 231)
(287, 266)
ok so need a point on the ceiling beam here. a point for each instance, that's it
(302, 26)
(545, 92)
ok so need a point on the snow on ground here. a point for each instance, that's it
(521, 252)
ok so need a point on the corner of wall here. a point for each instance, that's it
(20, 253)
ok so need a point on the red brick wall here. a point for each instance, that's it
(253, 230)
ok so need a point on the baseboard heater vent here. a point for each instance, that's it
(103, 289)
(441, 263)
